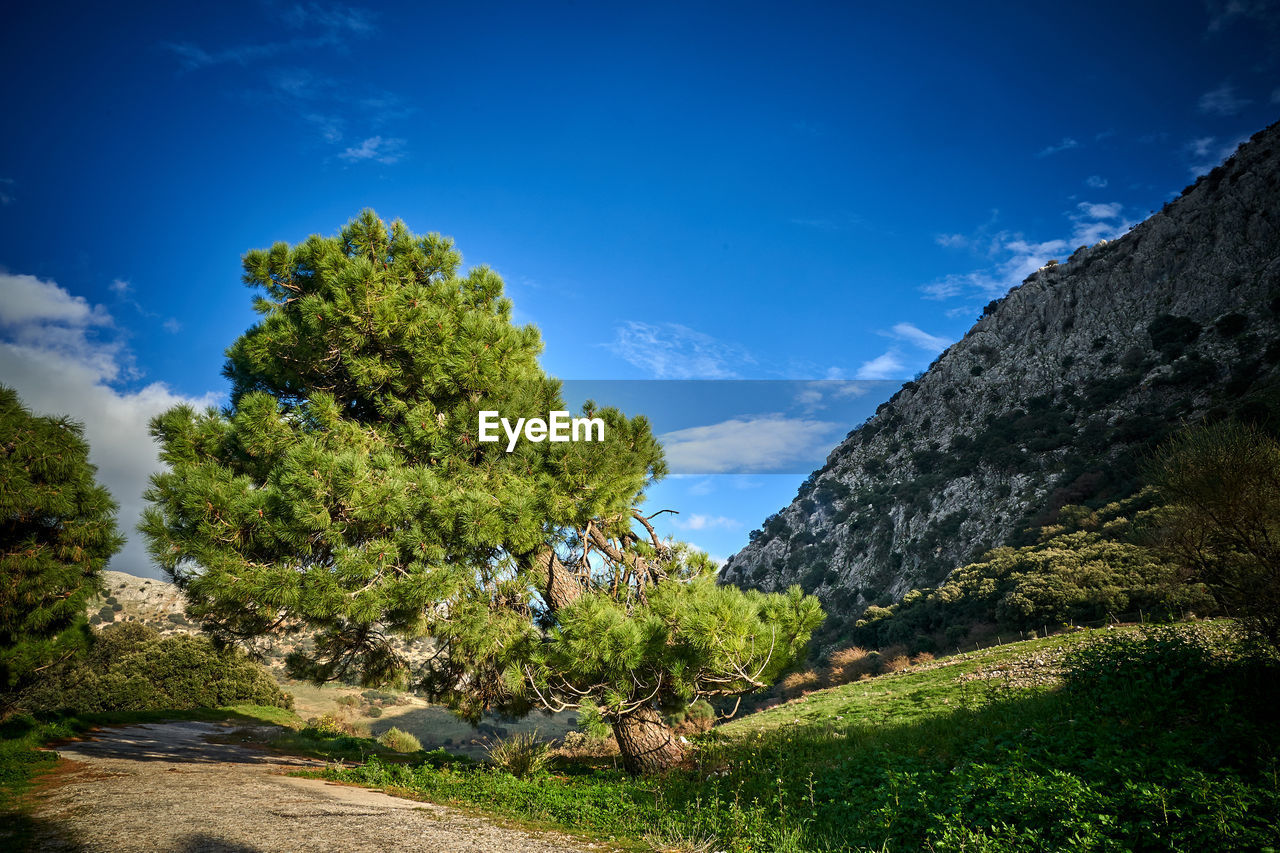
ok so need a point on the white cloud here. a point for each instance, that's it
(673, 351)
(886, 366)
(919, 338)
(1013, 257)
(120, 287)
(748, 444)
(51, 355)
(952, 241)
(1097, 182)
(172, 326)
(375, 148)
(5, 196)
(698, 521)
(30, 301)
(1066, 144)
(1222, 101)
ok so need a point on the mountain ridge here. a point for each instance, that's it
(1048, 399)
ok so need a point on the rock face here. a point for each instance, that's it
(1049, 399)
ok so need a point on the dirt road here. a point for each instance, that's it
(167, 787)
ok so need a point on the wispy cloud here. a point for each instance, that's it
(335, 18)
(886, 366)
(1066, 144)
(332, 26)
(673, 351)
(6, 196)
(1096, 182)
(919, 338)
(1224, 13)
(63, 357)
(377, 149)
(1207, 152)
(698, 521)
(749, 444)
(952, 241)
(1013, 256)
(1222, 101)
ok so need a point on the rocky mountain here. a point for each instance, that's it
(1051, 398)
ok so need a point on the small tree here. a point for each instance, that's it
(345, 488)
(1223, 483)
(57, 531)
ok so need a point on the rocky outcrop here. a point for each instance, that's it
(1050, 398)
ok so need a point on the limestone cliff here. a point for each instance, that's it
(1050, 398)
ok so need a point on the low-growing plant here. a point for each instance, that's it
(522, 755)
(846, 665)
(799, 683)
(394, 738)
(329, 725)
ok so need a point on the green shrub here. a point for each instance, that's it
(373, 711)
(327, 726)
(130, 667)
(522, 755)
(400, 741)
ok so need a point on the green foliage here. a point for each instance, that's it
(522, 755)
(345, 489)
(57, 531)
(400, 741)
(1090, 566)
(130, 667)
(1223, 483)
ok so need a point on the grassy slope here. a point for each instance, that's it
(922, 759)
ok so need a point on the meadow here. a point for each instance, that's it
(1159, 740)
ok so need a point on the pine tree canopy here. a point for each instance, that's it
(57, 531)
(345, 488)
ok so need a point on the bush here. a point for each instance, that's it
(799, 683)
(373, 711)
(400, 741)
(848, 665)
(522, 755)
(130, 667)
(330, 726)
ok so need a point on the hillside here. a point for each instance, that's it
(160, 604)
(1049, 399)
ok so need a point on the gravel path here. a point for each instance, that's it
(166, 787)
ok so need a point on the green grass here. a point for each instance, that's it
(1162, 746)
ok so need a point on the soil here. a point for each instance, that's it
(187, 787)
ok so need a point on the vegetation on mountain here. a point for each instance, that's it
(1222, 481)
(1090, 567)
(57, 531)
(1053, 398)
(345, 489)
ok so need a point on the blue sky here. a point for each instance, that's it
(671, 191)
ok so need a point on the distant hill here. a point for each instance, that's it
(1051, 398)
(160, 604)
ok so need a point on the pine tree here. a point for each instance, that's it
(57, 531)
(345, 489)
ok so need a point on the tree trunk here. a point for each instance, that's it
(647, 744)
(562, 587)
